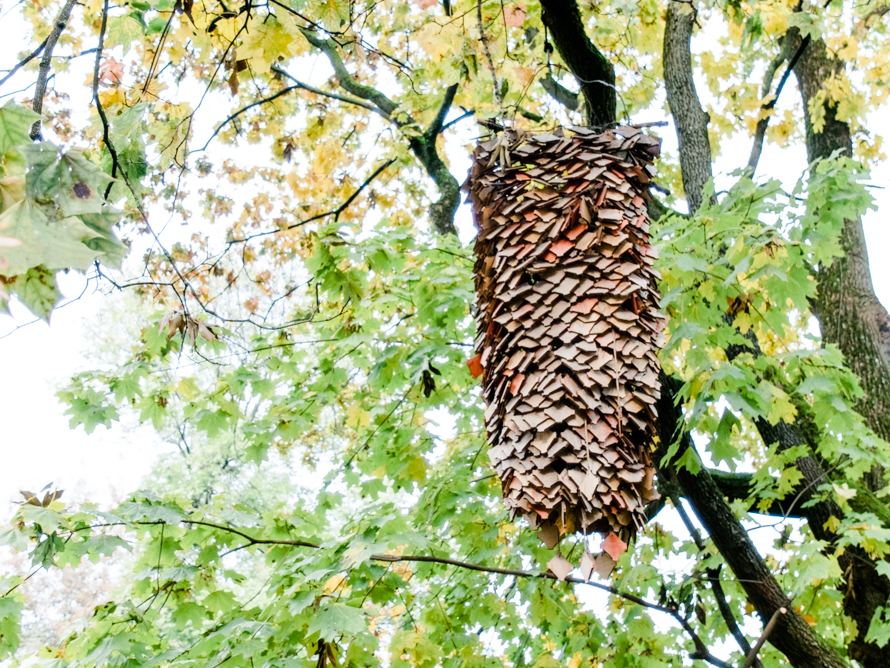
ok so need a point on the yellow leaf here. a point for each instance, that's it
(439, 41)
(333, 584)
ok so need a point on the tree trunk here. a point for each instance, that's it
(690, 119)
(851, 317)
(591, 68)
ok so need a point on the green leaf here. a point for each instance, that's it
(334, 619)
(53, 244)
(37, 290)
(879, 630)
(219, 601)
(123, 31)
(189, 612)
(15, 124)
(104, 544)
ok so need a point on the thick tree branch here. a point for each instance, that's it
(560, 93)
(437, 124)
(46, 63)
(423, 146)
(346, 80)
(591, 68)
(689, 118)
(713, 577)
(794, 638)
(316, 91)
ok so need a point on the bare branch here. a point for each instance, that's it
(751, 659)
(760, 131)
(494, 75)
(346, 80)
(324, 93)
(105, 127)
(264, 100)
(560, 93)
(713, 576)
(27, 59)
(46, 63)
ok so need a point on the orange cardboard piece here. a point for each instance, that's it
(614, 546)
(560, 248)
(585, 306)
(475, 365)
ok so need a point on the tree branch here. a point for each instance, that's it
(560, 93)
(751, 659)
(689, 118)
(760, 131)
(494, 75)
(106, 130)
(231, 118)
(713, 577)
(318, 91)
(437, 126)
(702, 651)
(27, 59)
(795, 638)
(591, 68)
(423, 146)
(46, 63)
(347, 81)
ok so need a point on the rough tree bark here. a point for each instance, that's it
(849, 313)
(792, 635)
(594, 72)
(692, 132)
(851, 317)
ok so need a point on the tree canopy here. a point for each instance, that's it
(272, 187)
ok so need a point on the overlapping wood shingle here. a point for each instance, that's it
(568, 325)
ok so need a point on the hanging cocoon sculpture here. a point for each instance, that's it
(568, 326)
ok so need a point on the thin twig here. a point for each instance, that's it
(327, 214)
(242, 110)
(106, 130)
(46, 63)
(770, 625)
(27, 59)
(485, 49)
